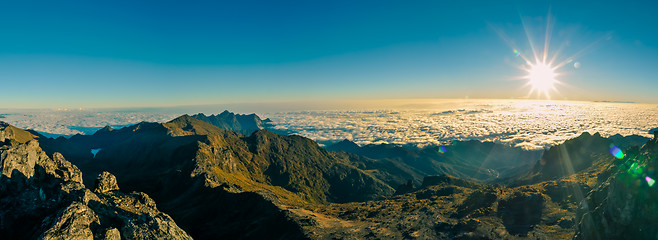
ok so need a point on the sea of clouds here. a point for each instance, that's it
(526, 124)
(66, 122)
(518, 123)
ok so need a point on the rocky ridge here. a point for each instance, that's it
(43, 197)
(190, 166)
(240, 123)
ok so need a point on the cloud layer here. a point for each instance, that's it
(526, 124)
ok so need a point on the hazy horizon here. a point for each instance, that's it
(289, 105)
(528, 124)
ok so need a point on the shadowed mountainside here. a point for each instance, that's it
(573, 156)
(473, 160)
(600, 199)
(243, 124)
(220, 184)
(624, 205)
(189, 166)
(44, 198)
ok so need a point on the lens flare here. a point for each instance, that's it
(650, 181)
(516, 52)
(442, 149)
(615, 151)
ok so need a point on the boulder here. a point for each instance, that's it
(105, 182)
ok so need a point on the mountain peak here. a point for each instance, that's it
(182, 118)
(345, 145)
(105, 129)
(240, 123)
(187, 125)
(198, 115)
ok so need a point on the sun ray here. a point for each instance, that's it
(581, 52)
(541, 72)
(547, 36)
(542, 67)
(532, 45)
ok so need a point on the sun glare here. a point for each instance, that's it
(541, 66)
(541, 77)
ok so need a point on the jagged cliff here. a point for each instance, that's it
(45, 198)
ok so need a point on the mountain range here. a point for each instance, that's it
(244, 124)
(226, 176)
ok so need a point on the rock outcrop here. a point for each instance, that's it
(10, 132)
(45, 198)
(105, 182)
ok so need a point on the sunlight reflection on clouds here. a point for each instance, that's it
(526, 124)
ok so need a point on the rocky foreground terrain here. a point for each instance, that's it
(228, 184)
(44, 197)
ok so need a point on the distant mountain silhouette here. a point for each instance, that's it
(628, 141)
(243, 124)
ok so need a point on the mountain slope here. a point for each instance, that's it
(625, 202)
(189, 166)
(473, 160)
(603, 197)
(42, 197)
(220, 184)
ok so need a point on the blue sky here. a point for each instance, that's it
(160, 53)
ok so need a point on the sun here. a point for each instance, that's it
(541, 77)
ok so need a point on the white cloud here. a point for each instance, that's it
(527, 124)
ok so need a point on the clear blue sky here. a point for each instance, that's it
(159, 53)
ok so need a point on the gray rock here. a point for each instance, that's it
(20, 157)
(159, 226)
(44, 198)
(105, 182)
(74, 222)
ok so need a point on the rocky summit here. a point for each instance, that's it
(44, 197)
(215, 183)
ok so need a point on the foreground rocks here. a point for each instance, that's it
(45, 198)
